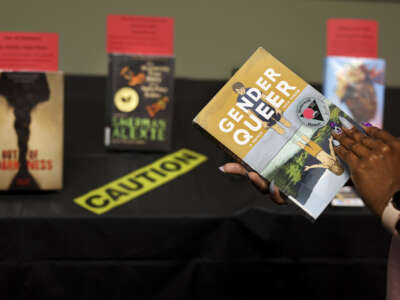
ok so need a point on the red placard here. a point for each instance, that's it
(352, 37)
(140, 35)
(27, 51)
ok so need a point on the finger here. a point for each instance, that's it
(258, 182)
(354, 134)
(344, 140)
(380, 134)
(275, 194)
(350, 129)
(348, 156)
(234, 168)
(370, 142)
(361, 151)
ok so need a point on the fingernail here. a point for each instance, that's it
(221, 168)
(346, 123)
(332, 124)
(338, 130)
(336, 143)
(335, 127)
(366, 124)
(272, 187)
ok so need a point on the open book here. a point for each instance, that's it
(277, 125)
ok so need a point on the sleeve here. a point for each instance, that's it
(391, 219)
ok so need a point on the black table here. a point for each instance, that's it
(203, 235)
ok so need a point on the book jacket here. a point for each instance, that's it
(356, 85)
(279, 126)
(140, 102)
(348, 197)
(31, 130)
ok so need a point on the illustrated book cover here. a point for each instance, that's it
(140, 83)
(31, 130)
(139, 106)
(356, 85)
(274, 123)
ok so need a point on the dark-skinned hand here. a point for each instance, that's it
(261, 184)
(374, 162)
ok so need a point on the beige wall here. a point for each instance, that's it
(211, 37)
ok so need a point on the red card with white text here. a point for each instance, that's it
(352, 37)
(28, 51)
(140, 35)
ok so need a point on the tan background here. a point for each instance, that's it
(46, 117)
(8, 140)
(212, 36)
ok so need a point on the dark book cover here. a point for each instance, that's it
(139, 102)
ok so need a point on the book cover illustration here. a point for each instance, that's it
(31, 130)
(140, 105)
(356, 85)
(279, 126)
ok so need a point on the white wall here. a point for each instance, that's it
(211, 37)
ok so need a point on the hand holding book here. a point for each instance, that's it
(374, 161)
(261, 184)
(279, 127)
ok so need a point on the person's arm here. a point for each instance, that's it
(306, 168)
(331, 148)
(374, 162)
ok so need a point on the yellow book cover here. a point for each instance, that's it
(279, 126)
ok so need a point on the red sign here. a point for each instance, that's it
(140, 35)
(25, 51)
(352, 37)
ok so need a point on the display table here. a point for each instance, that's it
(203, 235)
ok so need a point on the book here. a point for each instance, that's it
(354, 79)
(276, 124)
(31, 130)
(347, 197)
(140, 83)
(356, 85)
(140, 102)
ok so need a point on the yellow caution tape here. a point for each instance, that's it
(128, 187)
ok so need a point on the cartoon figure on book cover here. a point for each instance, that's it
(132, 79)
(273, 120)
(308, 158)
(328, 161)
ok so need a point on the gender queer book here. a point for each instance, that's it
(31, 130)
(356, 85)
(277, 125)
(139, 108)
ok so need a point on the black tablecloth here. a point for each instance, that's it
(205, 234)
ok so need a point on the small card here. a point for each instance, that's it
(352, 37)
(26, 51)
(140, 35)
